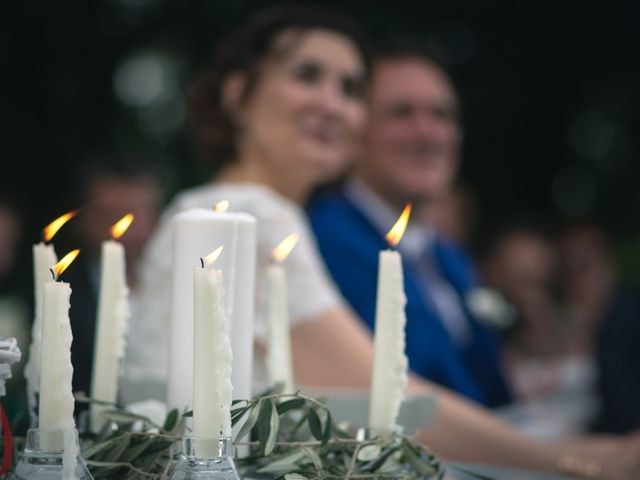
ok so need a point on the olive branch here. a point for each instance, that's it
(287, 436)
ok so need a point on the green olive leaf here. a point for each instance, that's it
(284, 464)
(171, 420)
(295, 476)
(120, 447)
(416, 462)
(369, 452)
(268, 425)
(328, 429)
(292, 404)
(315, 426)
(248, 425)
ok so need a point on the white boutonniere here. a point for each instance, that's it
(490, 307)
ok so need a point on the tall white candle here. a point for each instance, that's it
(390, 362)
(279, 359)
(196, 233)
(44, 257)
(212, 359)
(279, 364)
(56, 397)
(113, 314)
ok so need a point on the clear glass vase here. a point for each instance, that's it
(206, 459)
(42, 457)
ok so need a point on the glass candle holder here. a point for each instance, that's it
(42, 457)
(206, 459)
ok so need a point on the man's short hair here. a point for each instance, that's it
(410, 47)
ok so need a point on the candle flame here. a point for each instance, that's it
(284, 248)
(62, 265)
(121, 226)
(397, 231)
(221, 206)
(212, 257)
(50, 230)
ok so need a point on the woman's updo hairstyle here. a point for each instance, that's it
(212, 125)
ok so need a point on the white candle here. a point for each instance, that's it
(113, 314)
(56, 397)
(196, 233)
(390, 363)
(279, 359)
(279, 364)
(44, 257)
(212, 359)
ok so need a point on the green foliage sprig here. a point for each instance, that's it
(288, 436)
(294, 437)
(132, 446)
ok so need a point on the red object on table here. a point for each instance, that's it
(8, 441)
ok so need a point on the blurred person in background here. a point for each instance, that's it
(110, 187)
(411, 153)
(603, 317)
(587, 281)
(550, 361)
(14, 314)
(276, 115)
(519, 259)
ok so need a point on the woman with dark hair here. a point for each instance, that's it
(278, 114)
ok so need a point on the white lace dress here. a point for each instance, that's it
(311, 291)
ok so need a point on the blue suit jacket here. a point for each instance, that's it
(350, 245)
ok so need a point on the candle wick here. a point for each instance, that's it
(53, 274)
(202, 262)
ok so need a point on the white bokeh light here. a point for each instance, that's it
(145, 79)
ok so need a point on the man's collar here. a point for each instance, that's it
(382, 216)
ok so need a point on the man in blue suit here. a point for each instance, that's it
(410, 154)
